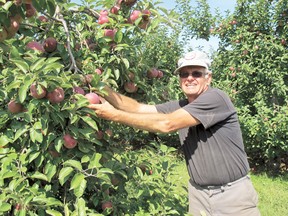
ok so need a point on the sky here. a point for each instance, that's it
(222, 5)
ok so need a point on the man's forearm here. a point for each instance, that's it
(120, 101)
(145, 121)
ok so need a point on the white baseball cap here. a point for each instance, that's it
(194, 58)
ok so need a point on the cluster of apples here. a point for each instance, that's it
(8, 32)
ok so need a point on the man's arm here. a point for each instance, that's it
(127, 104)
(153, 122)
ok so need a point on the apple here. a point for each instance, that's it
(34, 45)
(14, 26)
(43, 18)
(103, 19)
(92, 46)
(160, 74)
(283, 42)
(3, 34)
(129, 3)
(104, 13)
(109, 132)
(130, 87)
(135, 15)
(110, 33)
(143, 24)
(30, 10)
(107, 205)
(115, 9)
(98, 71)
(146, 14)
(93, 98)
(39, 92)
(15, 107)
(69, 141)
(78, 90)
(131, 76)
(99, 135)
(56, 96)
(88, 78)
(50, 44)
(231, 68)
(152, 73)
(233, 74)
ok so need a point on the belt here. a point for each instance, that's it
(212, 187)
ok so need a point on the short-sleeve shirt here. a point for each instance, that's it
(214, 150)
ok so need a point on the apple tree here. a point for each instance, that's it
(56, 156)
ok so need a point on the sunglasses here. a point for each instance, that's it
(194, 74)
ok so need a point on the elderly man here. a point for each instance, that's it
(210, 135)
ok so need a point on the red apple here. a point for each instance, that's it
(69, 141)
(103, 19)
(146, 14)
(34, 45)
(283, 42)
(50, 44)
(129, 3)
(39, 92)
(110, 33)
(93, 98)
(30, 10)
(143, 24)
(131, 76)
(56, 96)
(15, 107)
(43, 18)
(130, 87)
(104, 13)
(107, 205)
(99, 135)
(160, 74)
(98, 71)
(115, 9)
(78, 90)
(109, 132)
(152, 73)
(135, 15)
(14, 26)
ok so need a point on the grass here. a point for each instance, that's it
(272, 191)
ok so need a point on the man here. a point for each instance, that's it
(209, 133)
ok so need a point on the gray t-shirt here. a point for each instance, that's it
(214, 149)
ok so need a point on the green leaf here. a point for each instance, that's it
(80, 189)
(24, 88)
(4, 140)
(21, 64)
(50, 201)
(50, 171)
(90, 122)
(76, 180)
(20, 132)
(37, 65)
(73, 163)
(118, 37)
(33, 155)
(14, 84)
(39, 175)
(81, 209)
(94, 161)
(64, 174)
(126, 63)
(4, 207)
(53, 212)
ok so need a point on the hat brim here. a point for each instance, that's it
(191, 63)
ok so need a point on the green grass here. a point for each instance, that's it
(272, 191)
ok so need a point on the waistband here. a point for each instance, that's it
(212, 187)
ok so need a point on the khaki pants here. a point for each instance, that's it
(237, 198)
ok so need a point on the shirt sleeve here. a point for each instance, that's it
(211, 107)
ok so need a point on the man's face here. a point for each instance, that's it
(193, 81)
